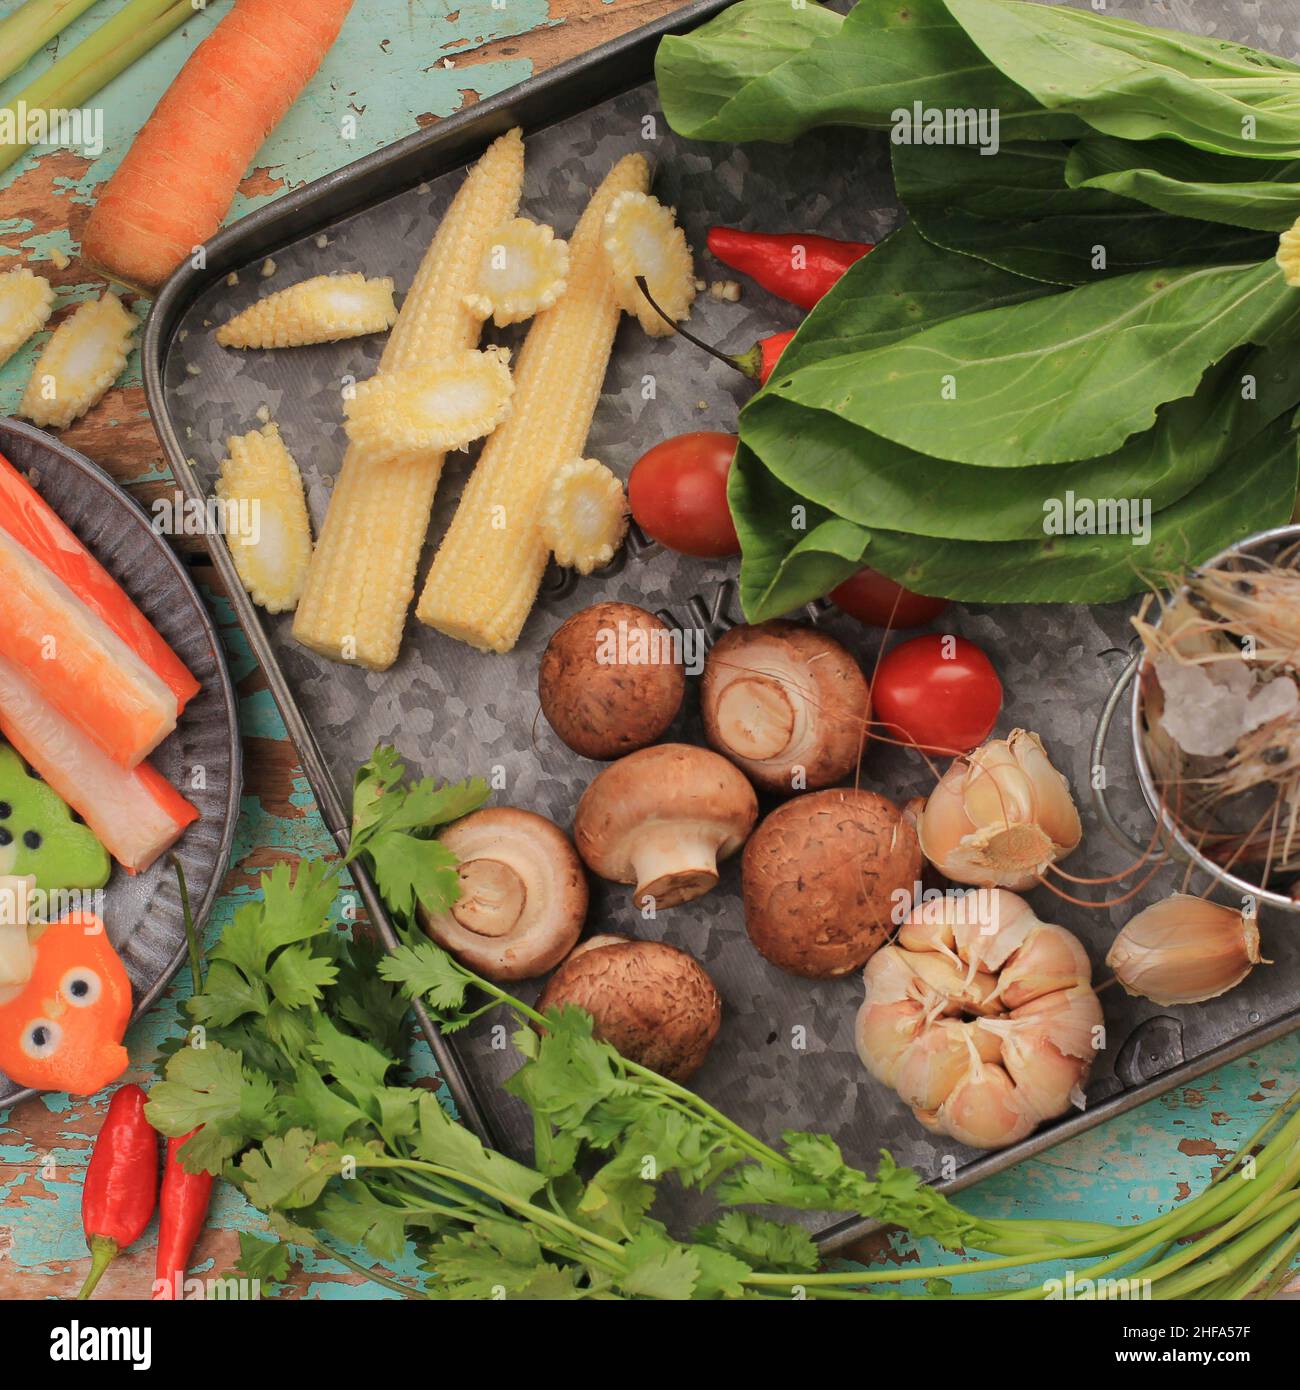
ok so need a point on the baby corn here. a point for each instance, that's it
(486, 573)
(521, 273)
(25, 304)
(324, 309)
(362, 575)
(643, 238)
(270, 536)
(584, 515)
(441, 406)
(84, 357)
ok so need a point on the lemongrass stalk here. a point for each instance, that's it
(31, 27)
(1283, 1266)
(70, 82)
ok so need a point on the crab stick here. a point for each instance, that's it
(136, 815)
(39, 529)
(77, 662)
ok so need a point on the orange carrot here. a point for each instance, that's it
(180, 176)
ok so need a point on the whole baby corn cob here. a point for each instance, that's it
(25, 304)
(84, 357)
(486, 574)
(324, 309)
(270, 540)
(362, 576)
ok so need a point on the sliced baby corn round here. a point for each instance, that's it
(84, 357)
(324, 309)
(522, 272)
(25, 304)
(266, 522)
(443, 405)
(642, 238)
(1288, 254)
(584, 515)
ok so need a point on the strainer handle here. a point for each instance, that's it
(1107, 717)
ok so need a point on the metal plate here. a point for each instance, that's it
(785, 1056)
(142, 912)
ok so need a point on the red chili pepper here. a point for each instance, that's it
(759, 362)
(182, 1210)
(121, 1187)
(796, 266)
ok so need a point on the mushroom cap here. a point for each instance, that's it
(820, 877)
(604, 683)
(779, 696)
(662, 818)
(652, 1002)
(523, 894)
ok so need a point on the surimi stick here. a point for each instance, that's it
(77, 662)
(39, 529)
(135, 815)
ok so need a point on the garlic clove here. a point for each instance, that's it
(931, 1065)
(1184, 950)
(959, 992)
(883, 1032)
(996, 790)
(888, 977)
(1045, 1078)
(1054, 807)
(1049, 959)
(1071, 1019)
(984, 1108)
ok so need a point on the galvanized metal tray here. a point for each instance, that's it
(785, 1055)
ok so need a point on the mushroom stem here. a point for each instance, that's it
(492, 897)
(755, 717)
(674, 861)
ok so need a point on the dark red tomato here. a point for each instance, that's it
(678, 494)
(874, 599)
(937, 691)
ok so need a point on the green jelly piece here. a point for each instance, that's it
(39, 836)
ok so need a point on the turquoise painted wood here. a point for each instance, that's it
(387, 72)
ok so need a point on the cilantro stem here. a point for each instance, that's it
(191, 935)
(314, 1242)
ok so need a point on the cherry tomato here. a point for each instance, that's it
(678, 494)
(937, 691)
(874, 599)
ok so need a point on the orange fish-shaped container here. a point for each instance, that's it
(63, 1029)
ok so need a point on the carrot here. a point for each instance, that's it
(180, 176)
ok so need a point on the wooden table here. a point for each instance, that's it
(399, 64)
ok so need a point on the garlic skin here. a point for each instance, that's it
(981, 1017)
(1185, 950)
(1000, 815)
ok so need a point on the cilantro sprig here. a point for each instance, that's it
(291, 1068)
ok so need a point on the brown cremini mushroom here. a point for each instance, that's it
(787, 704)
(662, 818)
(652, 1002)
(821, 877)
(610, 680)
(523, 895)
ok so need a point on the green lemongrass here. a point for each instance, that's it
(71, 81)
(1238, 1284)
(31, 27)
(1276, 1270)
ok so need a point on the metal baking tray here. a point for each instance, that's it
(785, 1056)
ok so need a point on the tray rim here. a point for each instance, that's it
(96, 476)
(292, 216)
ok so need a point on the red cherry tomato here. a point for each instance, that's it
(678, 494)
(937, 691)
(874, 599)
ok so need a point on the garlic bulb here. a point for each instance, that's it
(1000, 816)
(981, 1017)
(1185, 950)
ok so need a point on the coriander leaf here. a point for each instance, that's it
(381, 804)
(779, 1247)
(450, 1145)
(289, 1171)
(617, 1198)
(550, 1284)
(291, 909)
(410, 870)
(297, 976)
(227, 995)
(355, 1065)
(426, 971)
(374, 1007)
(358, 1216)
(721, 1274)
(571, 1073)
(265, 1261)
(291, 1030)
(493, 1259)
(659, 1268)
(210, 1086)
(314, 1105)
